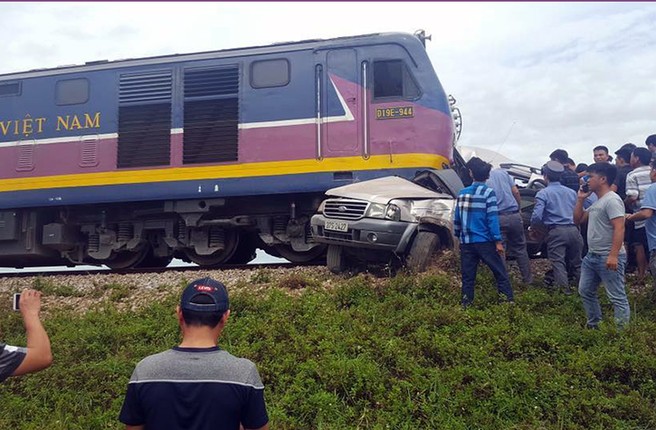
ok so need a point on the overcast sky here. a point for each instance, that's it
(528, 77)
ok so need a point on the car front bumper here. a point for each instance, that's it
(369, 233)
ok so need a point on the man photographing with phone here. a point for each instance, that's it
(16, 361)
(606, 257)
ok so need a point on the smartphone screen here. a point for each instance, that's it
(16, 301)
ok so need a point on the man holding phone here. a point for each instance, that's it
(606, 258)
(16, 361)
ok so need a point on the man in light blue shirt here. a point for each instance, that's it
(554, 208)
(646, 212)
(510, 220)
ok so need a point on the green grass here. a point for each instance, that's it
(49, 288)
(391, 354)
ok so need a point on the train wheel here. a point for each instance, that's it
(153, 262)
(127, 259)
(315, 254)
(246, 250)
(219, 257)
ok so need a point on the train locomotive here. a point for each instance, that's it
(208, 156)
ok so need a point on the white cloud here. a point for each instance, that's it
(573, 83)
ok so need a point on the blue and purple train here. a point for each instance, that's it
(208, 156)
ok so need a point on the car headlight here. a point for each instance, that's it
(322, 206)
(393, 212)
(434, 208)
(375, 210)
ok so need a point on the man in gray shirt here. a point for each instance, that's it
(512, 228)
(606, 258)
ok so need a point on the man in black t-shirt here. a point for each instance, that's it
(623, 163)
(196, 385)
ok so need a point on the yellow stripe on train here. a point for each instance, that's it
(269, 168)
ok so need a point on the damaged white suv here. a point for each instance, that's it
(389, 220)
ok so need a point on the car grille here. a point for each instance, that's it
(345, 209)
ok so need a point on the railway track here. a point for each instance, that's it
(86, 272)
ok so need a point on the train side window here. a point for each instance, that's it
(72, 92)
(10, 89)
(270, 73)
(392, 79)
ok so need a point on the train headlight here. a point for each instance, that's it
(376, 210)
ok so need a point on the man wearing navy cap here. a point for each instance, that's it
(196, 385)
(554, 208)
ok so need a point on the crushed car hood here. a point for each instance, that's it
(383, 190)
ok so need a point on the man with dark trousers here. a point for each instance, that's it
(554, 208)
(512, 228)
(476, 223)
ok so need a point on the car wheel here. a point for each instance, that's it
(335, 260)
(423, 247)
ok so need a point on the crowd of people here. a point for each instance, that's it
(598, 218)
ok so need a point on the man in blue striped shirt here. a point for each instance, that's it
(476, 223)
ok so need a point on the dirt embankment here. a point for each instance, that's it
(132, 291)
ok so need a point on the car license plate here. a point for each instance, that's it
(336, 225)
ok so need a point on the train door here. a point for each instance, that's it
(341, 103)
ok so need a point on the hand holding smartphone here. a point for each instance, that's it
(585, 187)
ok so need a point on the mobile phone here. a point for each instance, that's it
(585, 187)
(16, 305)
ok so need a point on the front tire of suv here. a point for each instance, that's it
(421, 251)
(335, 260)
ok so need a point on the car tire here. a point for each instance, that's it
(421, 250)
(335, 260)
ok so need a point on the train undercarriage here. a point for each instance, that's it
(208, 232)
